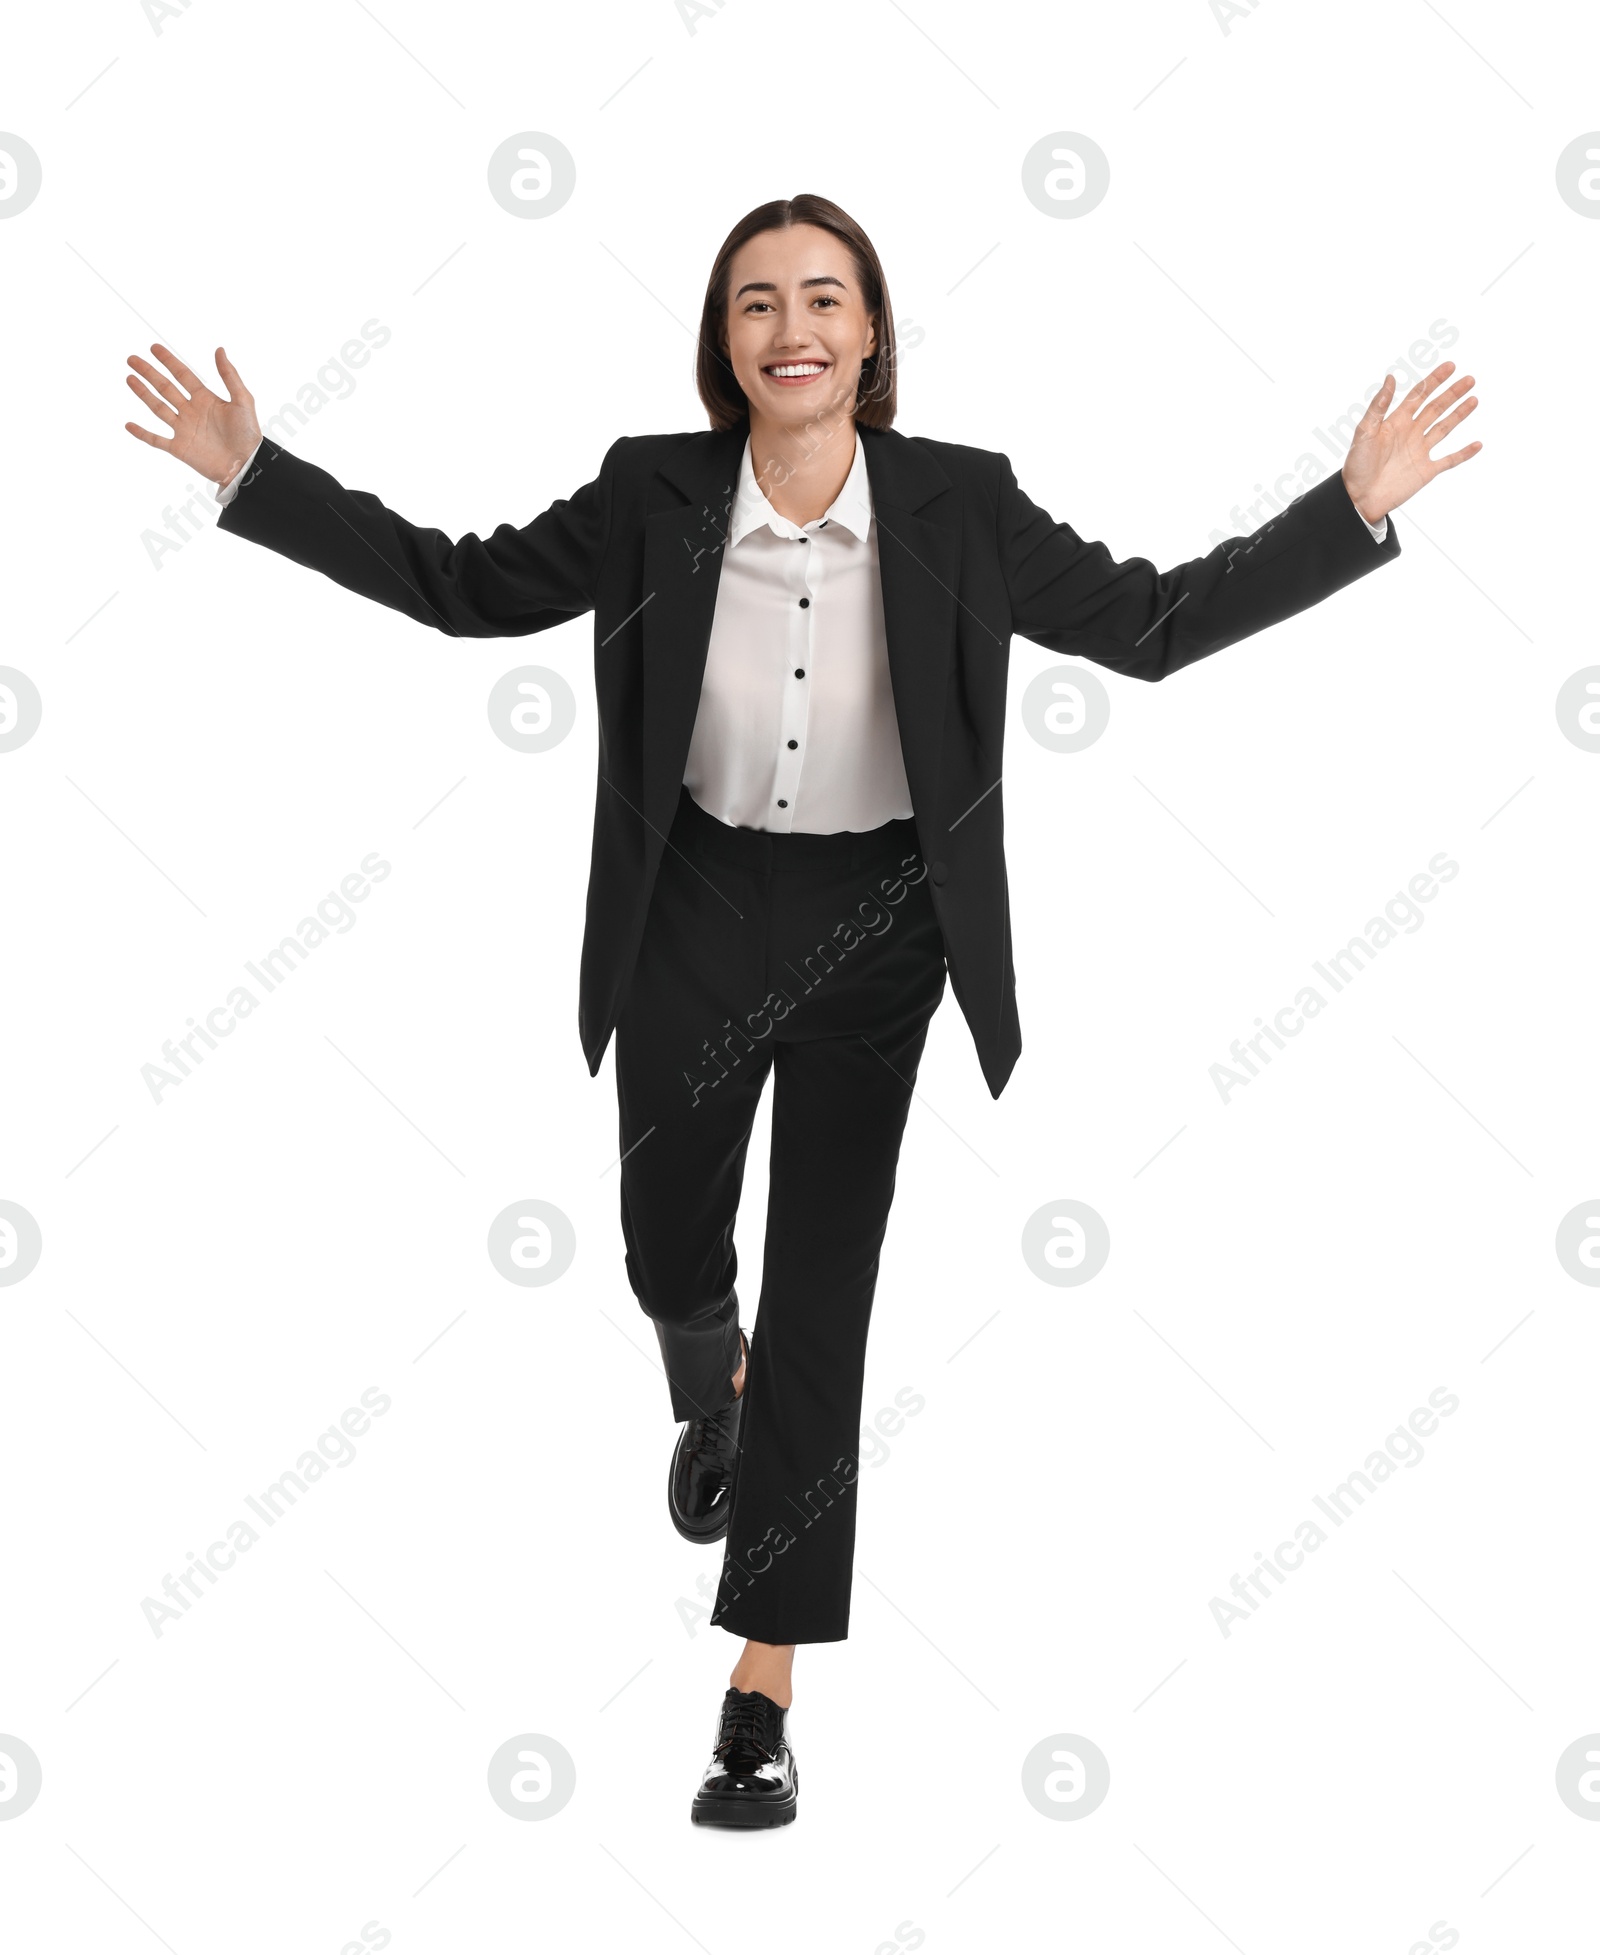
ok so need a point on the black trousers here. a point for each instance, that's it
(817, 958)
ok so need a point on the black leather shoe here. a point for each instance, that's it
(700, 1476)
(751, 1780)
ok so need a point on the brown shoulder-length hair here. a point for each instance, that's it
(714, 378)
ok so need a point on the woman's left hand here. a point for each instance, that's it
(1388, 460)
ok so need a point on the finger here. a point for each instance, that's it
(169, 393)
(144, 434)
(189, 379)
(1431, 413)
(1437, 434)
(1378, 406)
(1461, 455)
(157, 408)
(237, 390)
(1428, 382)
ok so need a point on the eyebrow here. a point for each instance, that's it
(766, 284)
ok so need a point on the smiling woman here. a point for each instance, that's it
(801, 626)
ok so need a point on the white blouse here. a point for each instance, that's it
(796, 729)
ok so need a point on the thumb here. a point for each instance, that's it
(230, 376)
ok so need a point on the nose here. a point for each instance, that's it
(793, 332)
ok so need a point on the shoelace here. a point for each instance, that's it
(745, 1727)
(713, 1435)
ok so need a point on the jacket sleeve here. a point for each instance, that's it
(1074, 597)
(504, 585)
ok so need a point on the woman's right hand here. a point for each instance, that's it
(213, 436)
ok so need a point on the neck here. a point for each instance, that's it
(801, 466)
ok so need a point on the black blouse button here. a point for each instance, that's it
(794, 743)
(804, 603)
(783, 804)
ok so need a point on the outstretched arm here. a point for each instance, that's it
(1073, 597)
(507, 584)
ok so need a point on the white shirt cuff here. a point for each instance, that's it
(1378, 530)
(225, 495)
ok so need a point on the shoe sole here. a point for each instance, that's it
(729, 1812)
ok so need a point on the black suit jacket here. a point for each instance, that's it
(966, 561)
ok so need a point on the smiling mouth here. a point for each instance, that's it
(795, 373)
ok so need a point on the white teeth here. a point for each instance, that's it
(794, 373)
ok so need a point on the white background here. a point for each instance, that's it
(1293, 203)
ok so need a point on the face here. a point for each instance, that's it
(797, 330)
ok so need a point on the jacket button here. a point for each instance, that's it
(938, 872)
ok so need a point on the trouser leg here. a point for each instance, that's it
(839, 1113)
(861, 956)
(682, 1173)
(687, 1095)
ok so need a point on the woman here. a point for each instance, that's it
(801, 628)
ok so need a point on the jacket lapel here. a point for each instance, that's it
(919, 562)
(682, 564)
